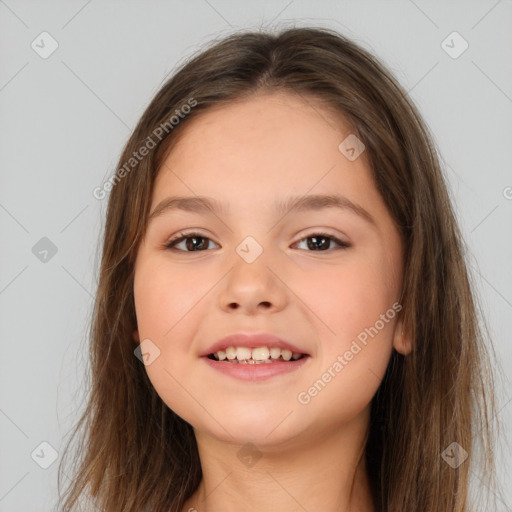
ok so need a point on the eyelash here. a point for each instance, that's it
(184, 235)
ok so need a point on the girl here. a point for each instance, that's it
(284, 319)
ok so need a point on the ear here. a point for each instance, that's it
(136, 336)
(402, 340)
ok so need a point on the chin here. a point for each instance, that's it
(259, 425)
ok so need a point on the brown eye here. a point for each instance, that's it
(194, 242)
(320, 242)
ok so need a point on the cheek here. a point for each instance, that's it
(164, 303)
(354, 352)
(163, 298)
(349, 297)
(355, 309)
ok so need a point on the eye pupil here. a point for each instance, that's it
(319, 246)
(191, 246)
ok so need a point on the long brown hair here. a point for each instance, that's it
(136, 454)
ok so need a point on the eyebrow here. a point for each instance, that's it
(211, 206)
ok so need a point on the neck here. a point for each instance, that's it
(317, 471)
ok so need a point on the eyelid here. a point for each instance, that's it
(321, 231)
(184, 234)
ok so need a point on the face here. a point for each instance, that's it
(326, 279)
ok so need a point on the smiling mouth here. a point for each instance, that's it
(259, 355)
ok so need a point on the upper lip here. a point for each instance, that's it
(252, 340)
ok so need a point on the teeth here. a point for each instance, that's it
(275, 353)
(230, 353)
(286, 354)
(245, 355)
(260, 353)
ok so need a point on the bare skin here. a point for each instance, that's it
(274, 444)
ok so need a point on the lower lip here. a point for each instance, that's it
(256, 372)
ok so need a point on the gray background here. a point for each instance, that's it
(64, 120)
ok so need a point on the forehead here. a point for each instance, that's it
(269, 141)
(265, 117)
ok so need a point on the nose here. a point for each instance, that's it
(253, 287)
